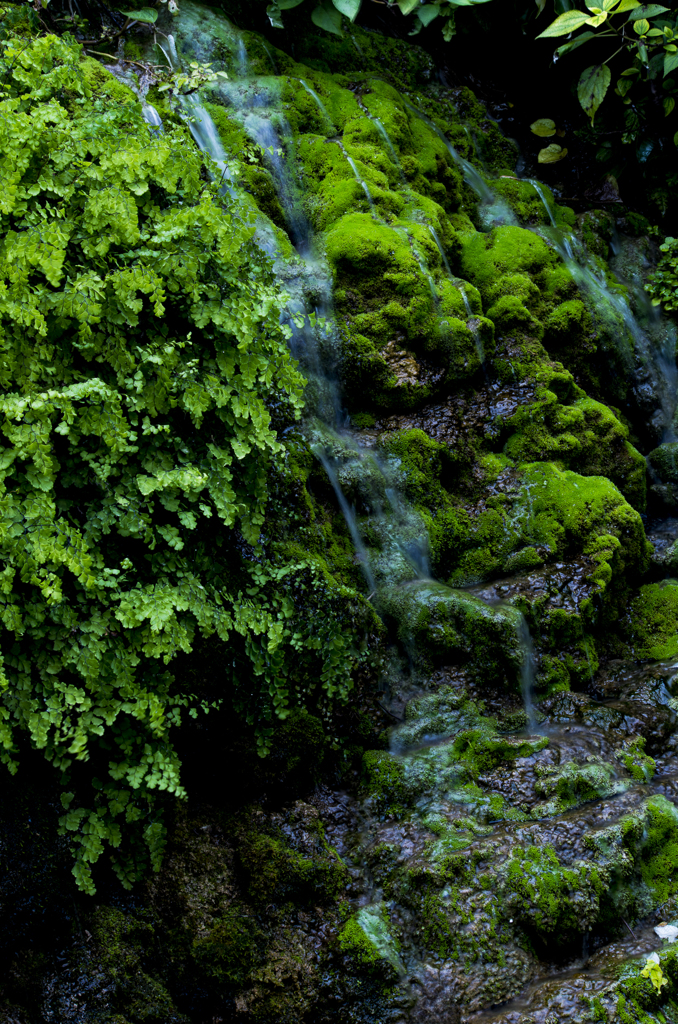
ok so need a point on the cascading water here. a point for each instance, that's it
(386, 531)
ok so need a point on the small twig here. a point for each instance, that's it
(387, 712)
(630, 931)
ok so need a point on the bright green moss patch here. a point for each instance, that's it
(570, 785)
(555, 901)
(652, 626)
(367, 939)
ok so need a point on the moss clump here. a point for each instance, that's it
(663, 465)
(367, 940)
(505, 250)
(441, 624)
(555, 902)
(652, 624)
(639, 764)
(584, 436)
(230, 950)
(279, 873)
(570, 785)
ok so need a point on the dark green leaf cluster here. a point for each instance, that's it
(142, 352)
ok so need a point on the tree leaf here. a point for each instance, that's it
(565, 23)
(544, 127)
(287, 5)
(427, 13)
(670, 63)
(274, 16)
(641, 26)
(597, 20)
(541, 4)
(593, 85)
(627, 5)
(407, 6)
(647, 11)
(551, 154)
(147, 14)
(349, 8)
(574, 43)
(328, 18)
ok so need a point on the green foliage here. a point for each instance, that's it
(662, 285)
(142, 352)
(328, 13)
(645, 32)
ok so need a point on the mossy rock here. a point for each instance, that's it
(447, 624)
(366, 940)
(652, 624)
(663, 469)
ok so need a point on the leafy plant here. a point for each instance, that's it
(142, 354)
(645, 32)
(190, 79)
(328, 13)
(653, 971)
(662, 285)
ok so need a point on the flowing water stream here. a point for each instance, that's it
(569, 732)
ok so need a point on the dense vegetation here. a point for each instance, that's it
(142, 360)
(278, 640)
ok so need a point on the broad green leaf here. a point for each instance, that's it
(647, 11)
(669, 105)
(327, 18)
(544, 127)
(541, 4)
(575, 43)
(349, 8)
(427, 13)
(597, 20)
(551, 154)
(407, 6)
(287, 5)
(274, 16)
(565, 23)
(670, 63)
(627, 5)
(593, 84)
(641, 26)
(609, 4)
(147, 14)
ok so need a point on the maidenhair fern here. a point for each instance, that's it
(141, 350)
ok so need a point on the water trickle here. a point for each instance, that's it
(389, 145)
(361, 181)
(591, 281)
(493, 211)
(242, 60)
(444, 258)
(348, 514)
(319, 103)
(527, 673)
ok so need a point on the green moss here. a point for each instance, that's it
(640, 765)
(367, 940)
(505, 250)
(229, 951)
(570, 785)
(652, 626)
(554, 901)
(278, 873)
(584, 436)
(443, 624)
(658, 861)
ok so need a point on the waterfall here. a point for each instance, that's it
(594, 285)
